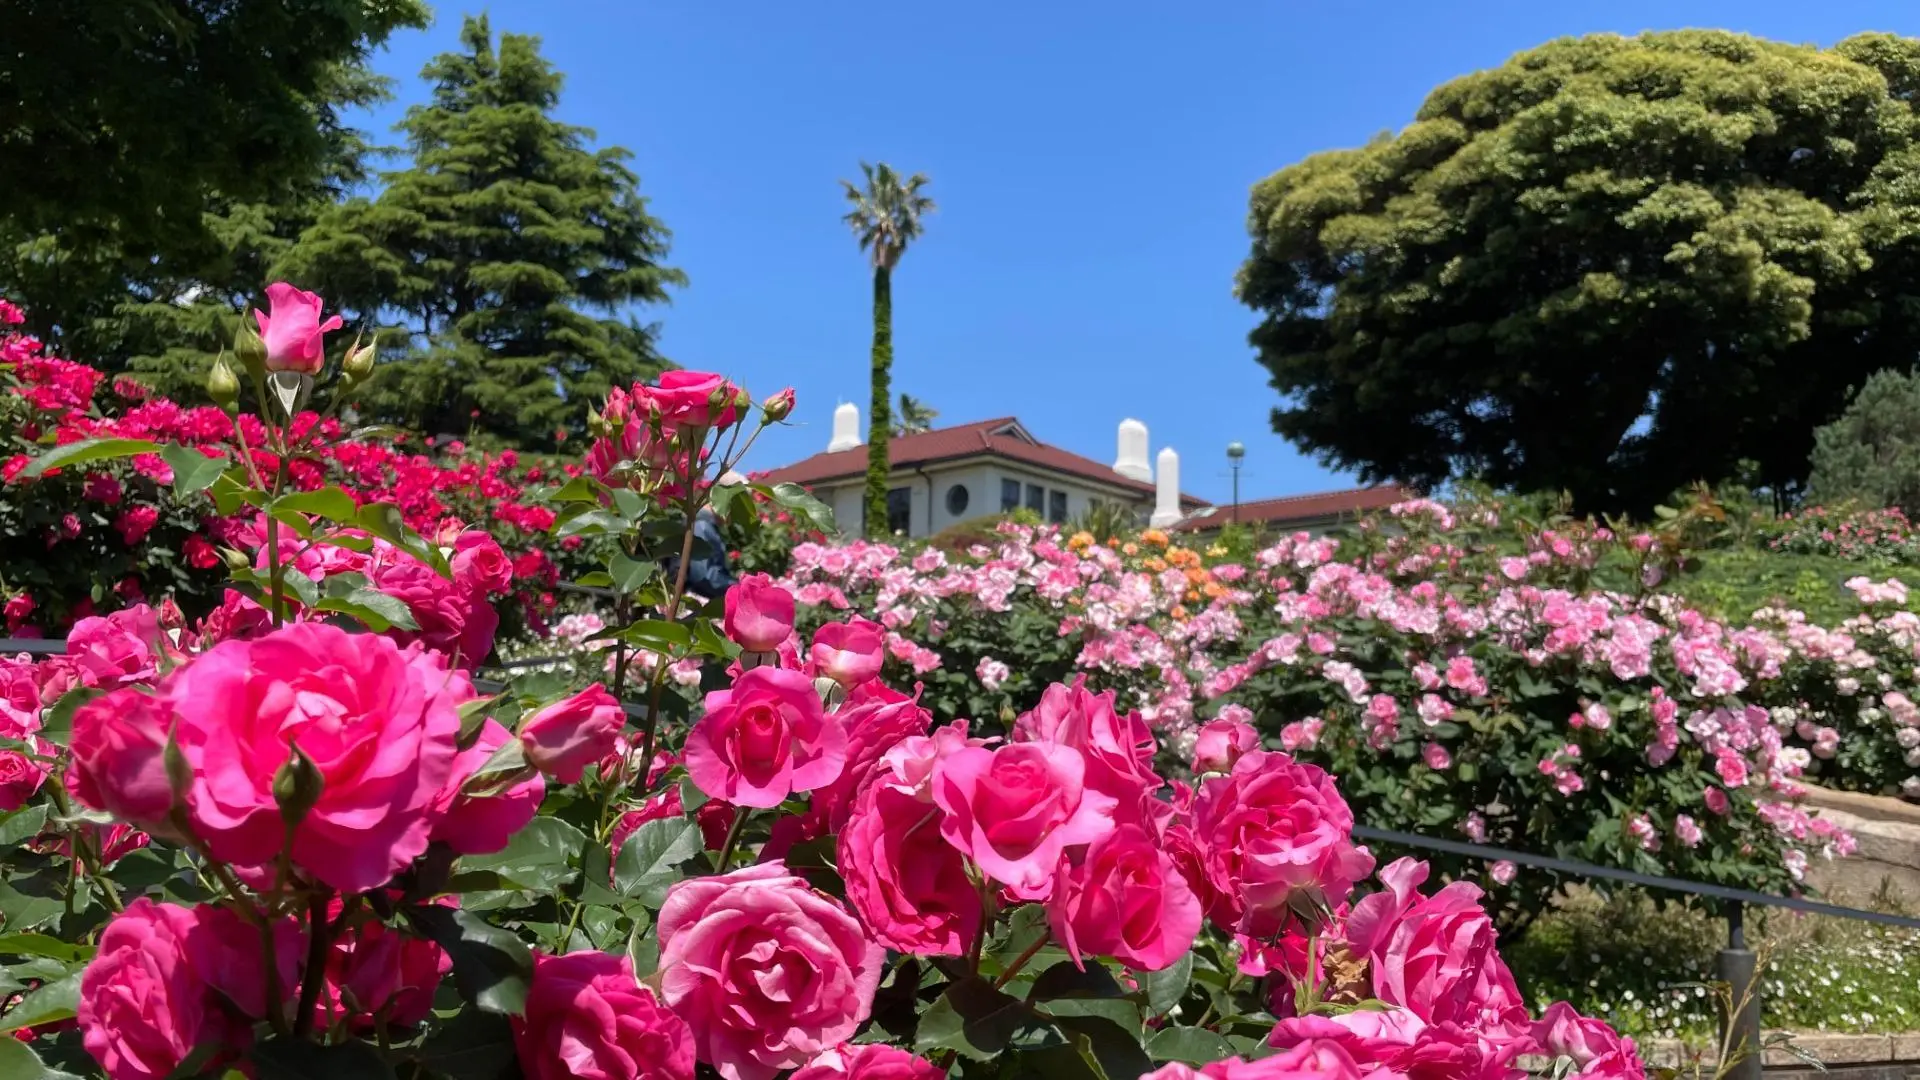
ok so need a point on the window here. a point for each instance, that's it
(1057, 507)
(1036, 498)
(900, 510)
(1009, 496)
(957, 500)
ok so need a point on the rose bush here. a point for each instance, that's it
(363, 868)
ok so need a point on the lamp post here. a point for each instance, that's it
(1235, 452)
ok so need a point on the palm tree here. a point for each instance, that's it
(915, 417)
(885, 218)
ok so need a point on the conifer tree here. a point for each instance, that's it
(509, 252)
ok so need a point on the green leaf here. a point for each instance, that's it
(1064, 980)
(629, 574)
(595, 579)
(331, 503)
(304, 588)
(580, 489)
(56, 724)
(1190, 1045)
(290, 1058)
(42, 945)
(587, 523)
(372, 607)
(21, 911)
(708, 641)
(193, 471)
(1167, 986)
(797, 499)
(474, 1045)
(643, 950)
(650, 859)
(22, 825)
(974, 1019)
(54, 1001)
(1109, 1048)
(384, 520)
(538, 858)
(655, 635)
(88, 450)
(502, 769)
(19, 1062)
(491, 965)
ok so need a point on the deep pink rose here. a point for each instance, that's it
(293, 331)
(225, 952)
(759, 613)
(451, 620)
(118, 766)
(849, 653)
(238, 618)
(480, 568)
(1118, 749)
(907, 766)
(1125, 899)
(588, 1018)
(1270, 829)
(868, 1061)
(763, 739)
(1594, 1047)
(378, 723)
(482, 824)
(121, 648)
(1319, 1058)
(1402, 1044)
(565, 737)
(375, 969)
(1221, 743)
(20, 775)
(909, 886)
(688, 399)
(767, 971)
(876, 718)
(1436, 956)
(142, 1006)
(1014, 809)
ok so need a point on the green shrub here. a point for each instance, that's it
(1871, 455)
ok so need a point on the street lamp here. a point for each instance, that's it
(1235, 452)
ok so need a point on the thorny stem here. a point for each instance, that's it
(1020, 962)
(740, 815)
(319, 940)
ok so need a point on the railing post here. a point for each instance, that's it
(1738, 968)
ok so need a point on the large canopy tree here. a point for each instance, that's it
(509, 252)
(1611, 266)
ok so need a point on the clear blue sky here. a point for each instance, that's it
(1092, 163)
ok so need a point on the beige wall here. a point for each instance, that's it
(981, 481)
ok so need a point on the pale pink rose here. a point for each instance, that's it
(1686, 830)
(1014, 809)
(868, 1061)
(1503, 872)
(563, 738)
(118, 749)
(118, 649)
(1436, 956)
(1126, 899)
(767, 971)
(849, 653)
(482, 824)
(588, 1018)
(1221, 743)
(1717, 801)
(1118, 748)
(763, 739)
(1594, 1047)
(293, 331)
(142, 1006)
(909, 886)
(759, 614)
(1272, 828)
(379, 725)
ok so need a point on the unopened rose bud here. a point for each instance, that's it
(236, 560)
(722, 396)
(222, 385)
(250, 347)
(297, 787)
(778, 407)
(359, 362)
(597, 425)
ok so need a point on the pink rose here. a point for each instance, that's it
(1014, 809)
(482, 824)
(779, 406)
(868, 1061)
(759, 613)
(688, 399)
(225, 952)
(1124, 899)
(764, 739)
(293, 331)
(451, 620)
(767, 971)
(849, 653)
(1436, 956)
(909, 886)
(20, 775)
(378, 724)
(1270, 829)
(1317, 1059)
(480, 568)
(1118, 749)
(135, 522)
(876, 718)
(119, 746)
(1594, 1047)
(565, 737)
(907, 766)
(375, 969)
(588, 1018)
(124, 647)
(1221, 743)
(1369, 1036)
(142, 1006)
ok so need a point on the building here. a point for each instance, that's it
(952, 475)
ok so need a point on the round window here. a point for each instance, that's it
(957, 499)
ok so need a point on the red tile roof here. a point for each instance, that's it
(1001, 437)
(1302, 508)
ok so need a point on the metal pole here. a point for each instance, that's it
(1236, 493)
(1737, 967)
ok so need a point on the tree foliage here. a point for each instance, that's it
(509, 253)
(1871, 454)
(1610, 266)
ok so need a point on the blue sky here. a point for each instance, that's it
(1092, 163)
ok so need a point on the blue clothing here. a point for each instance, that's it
(707, 572)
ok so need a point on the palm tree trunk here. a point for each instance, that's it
(880, 423)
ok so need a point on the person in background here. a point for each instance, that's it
(708, 572)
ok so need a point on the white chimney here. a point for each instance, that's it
(1131, 462)
(846, 428)
(1166, 503)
